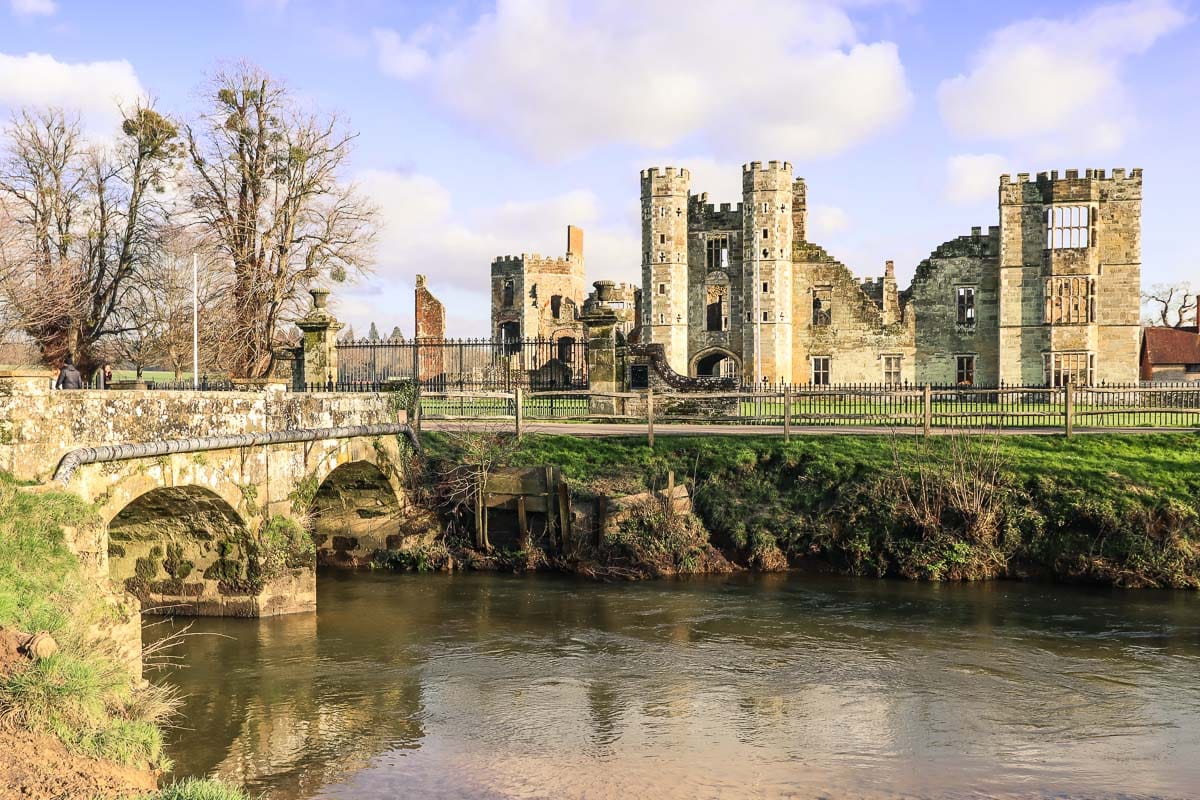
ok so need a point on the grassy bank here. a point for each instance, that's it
(83, 694)
(1106, 508)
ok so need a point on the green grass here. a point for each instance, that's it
(198, 789)
(1110, 508)
(83, 694)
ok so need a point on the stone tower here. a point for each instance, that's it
(665, 262)
(1070, 270)
(767, 229)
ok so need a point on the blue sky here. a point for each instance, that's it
(486, 127)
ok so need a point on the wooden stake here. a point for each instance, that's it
(650, 417)
(1069, 408)
(522, 523)
(518, 395)
(787, 412)
(928, 409)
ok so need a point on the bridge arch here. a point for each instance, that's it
(183, 548)
(357, 501)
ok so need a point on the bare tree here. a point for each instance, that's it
(1169, 305)
(157, 312)
(76, 224)
(268, 189)
(479, 449)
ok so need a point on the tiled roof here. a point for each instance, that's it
(1172, 346)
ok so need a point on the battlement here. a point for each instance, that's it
(776, 176)
(1118, 174)
(505, 262)
(1070, 187)
(772, 166)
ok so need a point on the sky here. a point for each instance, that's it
(485, 128)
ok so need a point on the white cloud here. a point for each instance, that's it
(971, 178)
(33, 8)
(1056, 84)
(399, 57)
(95, 89)
(773, 78)
(423, 232)
(826, 221)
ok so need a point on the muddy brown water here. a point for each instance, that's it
(497, 686)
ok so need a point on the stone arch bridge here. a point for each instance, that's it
(214, 503)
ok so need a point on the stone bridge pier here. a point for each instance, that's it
(213, 503)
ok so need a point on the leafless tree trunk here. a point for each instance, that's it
(1170, 305)
(268, 190)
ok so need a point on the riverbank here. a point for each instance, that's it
(74, 719)
(1108, 509)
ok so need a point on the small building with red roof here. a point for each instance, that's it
(1170, 354)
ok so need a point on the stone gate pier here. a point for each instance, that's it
(205, 502)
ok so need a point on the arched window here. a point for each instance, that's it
(509, 290)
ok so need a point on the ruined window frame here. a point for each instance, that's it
(892, 364)
(508, 293)
(822, 315)
(1069, 300)
(821, 367)
(716, 291)
(965, 366)
(966, 299)
(1077, 367)
(1069, 227)
(716, 251)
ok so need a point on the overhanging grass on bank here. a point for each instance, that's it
(83, 694)
(1118, 509)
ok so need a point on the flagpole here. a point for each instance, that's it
(195, 325)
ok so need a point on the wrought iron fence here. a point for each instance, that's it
(464, 364)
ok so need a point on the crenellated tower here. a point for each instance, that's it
(665, 262)
(1070, 271)
(768, 216)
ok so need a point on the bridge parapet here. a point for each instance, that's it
(39, 425)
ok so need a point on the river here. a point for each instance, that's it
(496, 686)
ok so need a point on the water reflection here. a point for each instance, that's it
(496, 686)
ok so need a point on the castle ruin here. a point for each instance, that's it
(1049, 295)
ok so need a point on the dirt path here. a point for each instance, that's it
(39, 767)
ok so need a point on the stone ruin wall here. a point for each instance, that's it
(540, 287)
(1008, 267)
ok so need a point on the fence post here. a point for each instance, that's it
(787, 412)
(518, 395)
(927, 408)
(1069, 408)
(650, 417)
(416, 379)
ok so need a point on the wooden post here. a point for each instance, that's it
(1069, 408)
(564, 514)
(928, 409)
(522, 522)
(787, 412)
(480, 519)
(518, 395)
(601, 518)
(650, 417)
(671, 487)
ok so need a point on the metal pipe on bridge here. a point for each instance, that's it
(124, 452)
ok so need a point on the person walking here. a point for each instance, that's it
(106, 377)
(68, 377)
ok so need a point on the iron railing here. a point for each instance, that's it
(464, 364)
